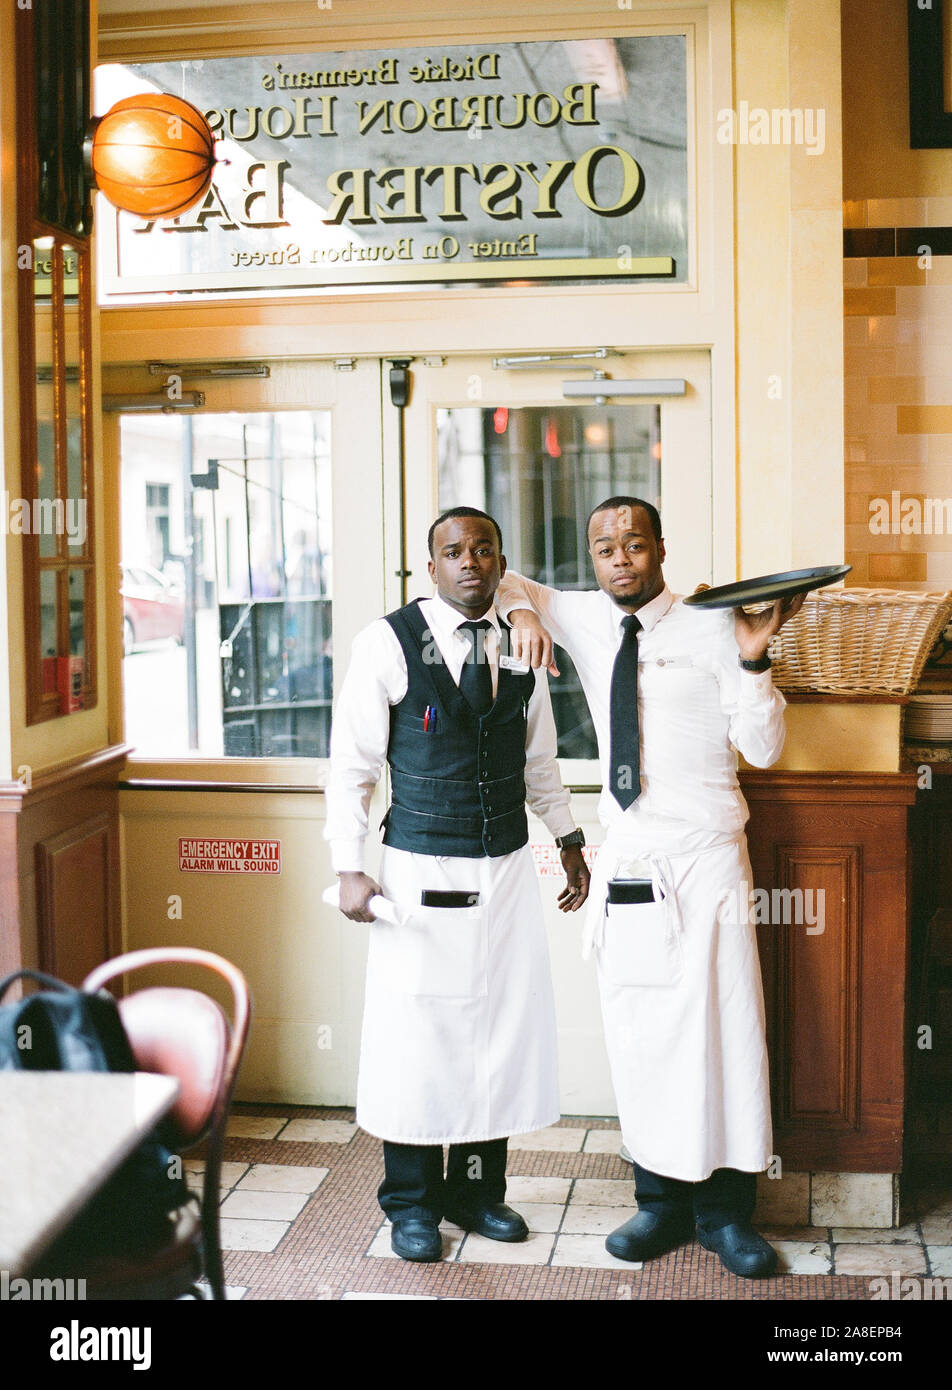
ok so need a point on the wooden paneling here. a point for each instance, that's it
(836, 999)
(817, 1002)
(59, 867)
(73, 874)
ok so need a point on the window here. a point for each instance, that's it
(54, 513)
(539, 471)
(226, 584)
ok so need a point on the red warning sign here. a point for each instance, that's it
(548, 861)
(230, 856)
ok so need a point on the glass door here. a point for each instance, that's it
(232, 588)
(518, 442)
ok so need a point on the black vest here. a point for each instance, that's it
(457, 789)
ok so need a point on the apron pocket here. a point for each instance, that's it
(639, 946)
(447, 951)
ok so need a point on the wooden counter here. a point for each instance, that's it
(836, 999)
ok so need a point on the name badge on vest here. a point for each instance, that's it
(509, 663)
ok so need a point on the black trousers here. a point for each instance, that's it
(724, 1198)
(414, 1183)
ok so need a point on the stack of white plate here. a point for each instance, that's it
(929, 719)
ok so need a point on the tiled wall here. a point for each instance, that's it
(898, 390)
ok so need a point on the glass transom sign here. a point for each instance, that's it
(539, 470)
(545, 160)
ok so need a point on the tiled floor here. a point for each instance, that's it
(300, 1220)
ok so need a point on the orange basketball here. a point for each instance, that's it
(153, 154)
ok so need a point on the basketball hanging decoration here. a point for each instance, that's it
(152, 154)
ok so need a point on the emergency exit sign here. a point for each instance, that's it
(230, 856)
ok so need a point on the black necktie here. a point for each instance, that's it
(625, 756)
(475, 681)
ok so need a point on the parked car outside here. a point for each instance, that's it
(153, 607)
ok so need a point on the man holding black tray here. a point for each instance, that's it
(459, 1040)
(672, 691)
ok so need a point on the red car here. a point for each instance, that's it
(153, 607)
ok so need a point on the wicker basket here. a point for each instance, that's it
(859, 641)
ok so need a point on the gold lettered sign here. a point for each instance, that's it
(511, 162)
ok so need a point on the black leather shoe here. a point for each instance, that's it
(740, 1249)
(650, 1233)
(416, 1238)
(495, 1222)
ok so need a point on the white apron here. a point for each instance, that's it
(459, 1037)
(682, 1001)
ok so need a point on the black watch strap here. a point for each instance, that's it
(763, 663)
(574, 837)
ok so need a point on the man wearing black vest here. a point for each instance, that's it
(459, 1042)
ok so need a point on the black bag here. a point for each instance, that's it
(67, 1029)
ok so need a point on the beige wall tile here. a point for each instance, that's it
(851, 1199)
(939, 568)
(855, 332)
(855, 392)
(862, 477)
(860, 562)
(867, 302)
(869, 361)
(854, 271)
(871, 421)
(890, 447)
(924, 479)
(896, 390)
(924, 419)
(886, 331)
(783, 1201)
(920, 301)
(923, 358)
(895, 270)
(895, 212)
(938, 212)
(897, 569)
(854, 213)
(857, 512)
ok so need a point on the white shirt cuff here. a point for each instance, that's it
(347, 856)
(756, 687)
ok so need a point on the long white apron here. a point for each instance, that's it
(459, 1036)
(682, 1002)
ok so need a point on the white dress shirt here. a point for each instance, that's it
(694, 701)
(360, 732)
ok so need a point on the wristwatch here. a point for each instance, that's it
(762, 663)
(574, 837)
